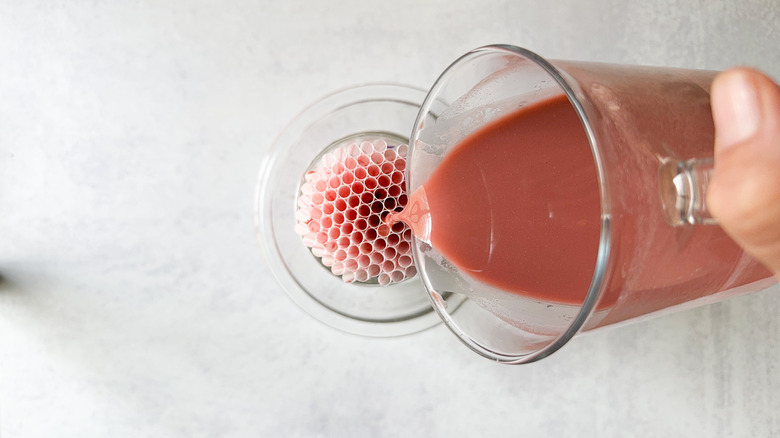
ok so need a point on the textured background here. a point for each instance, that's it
(134, 299)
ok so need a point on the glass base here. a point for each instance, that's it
(367, 111)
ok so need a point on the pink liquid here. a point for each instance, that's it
(516, 205)
(513, 206)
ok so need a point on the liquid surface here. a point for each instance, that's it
(516, 204)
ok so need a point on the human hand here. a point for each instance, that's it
(744, 192)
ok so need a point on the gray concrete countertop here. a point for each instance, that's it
(135, 301)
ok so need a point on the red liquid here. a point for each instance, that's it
(516, 204)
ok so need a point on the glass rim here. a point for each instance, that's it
(597, 281)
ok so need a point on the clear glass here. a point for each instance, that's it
(682, 185)
(366, 112)
(651, 137)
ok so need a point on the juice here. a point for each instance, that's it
(516, 205)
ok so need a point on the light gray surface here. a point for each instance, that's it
(135, 300)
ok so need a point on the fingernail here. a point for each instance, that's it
(736, 109)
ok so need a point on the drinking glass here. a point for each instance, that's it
(650, 132)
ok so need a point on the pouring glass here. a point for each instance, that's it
(651, 135)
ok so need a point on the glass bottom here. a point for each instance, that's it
(373, 111)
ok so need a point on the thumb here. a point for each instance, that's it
(744, 193)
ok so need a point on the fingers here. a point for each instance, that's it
(744, 194)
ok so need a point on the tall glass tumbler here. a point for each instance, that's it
(650, 134)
